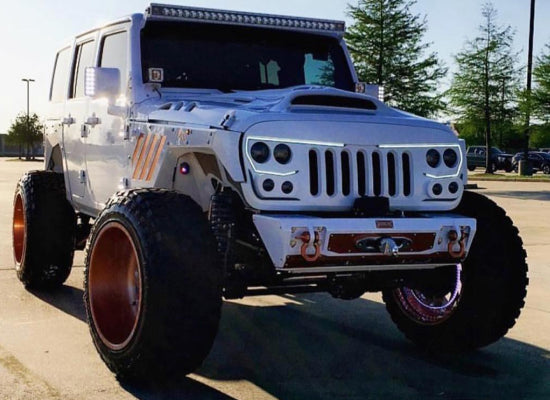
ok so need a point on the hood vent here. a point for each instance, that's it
(335, 101)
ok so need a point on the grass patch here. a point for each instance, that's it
(540, 177)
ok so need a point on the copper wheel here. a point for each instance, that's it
(115, 286)
(19, 231)
(430, 308)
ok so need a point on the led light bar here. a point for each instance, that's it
(243, 18)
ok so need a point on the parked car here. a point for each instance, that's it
(500, 160)
(545, 149)
(540, 161)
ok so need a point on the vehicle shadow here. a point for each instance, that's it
(543, 195)
(315, 347)
(326, 349)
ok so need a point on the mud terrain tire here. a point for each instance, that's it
(153, 285)
(44, 226)
(494, 282)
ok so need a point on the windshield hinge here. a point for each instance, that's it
(228, 119)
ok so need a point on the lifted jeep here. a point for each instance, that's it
(200, 154)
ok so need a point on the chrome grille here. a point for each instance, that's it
(348, 172)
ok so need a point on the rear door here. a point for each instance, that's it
(58, 96)
(76, 110)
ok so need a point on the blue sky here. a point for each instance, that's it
(32, 31)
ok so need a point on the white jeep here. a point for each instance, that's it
(200, 154)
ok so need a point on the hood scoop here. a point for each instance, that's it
(332, 101)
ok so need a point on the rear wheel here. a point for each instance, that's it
(546, 169)
(485, 298)
(471, 167)
(153, 285)
(44, 226)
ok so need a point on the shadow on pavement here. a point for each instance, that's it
(315, 347)
(543, 195)
(66, 298)
(328, 349)
(185, 389)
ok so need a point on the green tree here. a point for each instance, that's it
(25, 133)
(385, 42)
(541, 93)
(484, 90)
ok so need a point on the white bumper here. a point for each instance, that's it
(351, 244)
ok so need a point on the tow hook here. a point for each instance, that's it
(453, 239)
(305, 238)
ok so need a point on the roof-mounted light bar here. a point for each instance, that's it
(243, 18)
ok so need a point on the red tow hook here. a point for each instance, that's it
(305, 238)
(453, 236)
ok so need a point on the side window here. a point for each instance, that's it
(114, 54)
(84, 57)
(60, 77)
(269, 73)
(319, 71)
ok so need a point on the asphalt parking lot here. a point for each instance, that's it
(282, 347)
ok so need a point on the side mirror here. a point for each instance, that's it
(102, 82)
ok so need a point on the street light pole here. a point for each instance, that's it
(527, 169)
(28, 81)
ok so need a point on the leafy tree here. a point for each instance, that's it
(484, 90)
(385, 42)
(25, 134)
(541, 93)
(540, 136)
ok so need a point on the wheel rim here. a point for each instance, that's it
(429, 309)
(115, 286)
(19, 230)
(546, 169)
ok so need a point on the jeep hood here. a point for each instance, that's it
(239, 111)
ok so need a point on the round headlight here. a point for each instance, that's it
(259, 152)
(268, 185)
(453, 187)
(433, 157)
(450, 158)
(287, 187)
(282, 153)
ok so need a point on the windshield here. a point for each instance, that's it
(241, 58)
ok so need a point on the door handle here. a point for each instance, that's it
(93, 121)
(68, 120)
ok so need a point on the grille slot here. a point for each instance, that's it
(334, 172)
(392, 184)
(361, 174)
(406, 174)
(313, 173)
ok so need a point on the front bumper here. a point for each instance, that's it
(305, 244)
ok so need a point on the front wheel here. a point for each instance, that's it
(485, 297)
(153, 285)
(546, 169)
